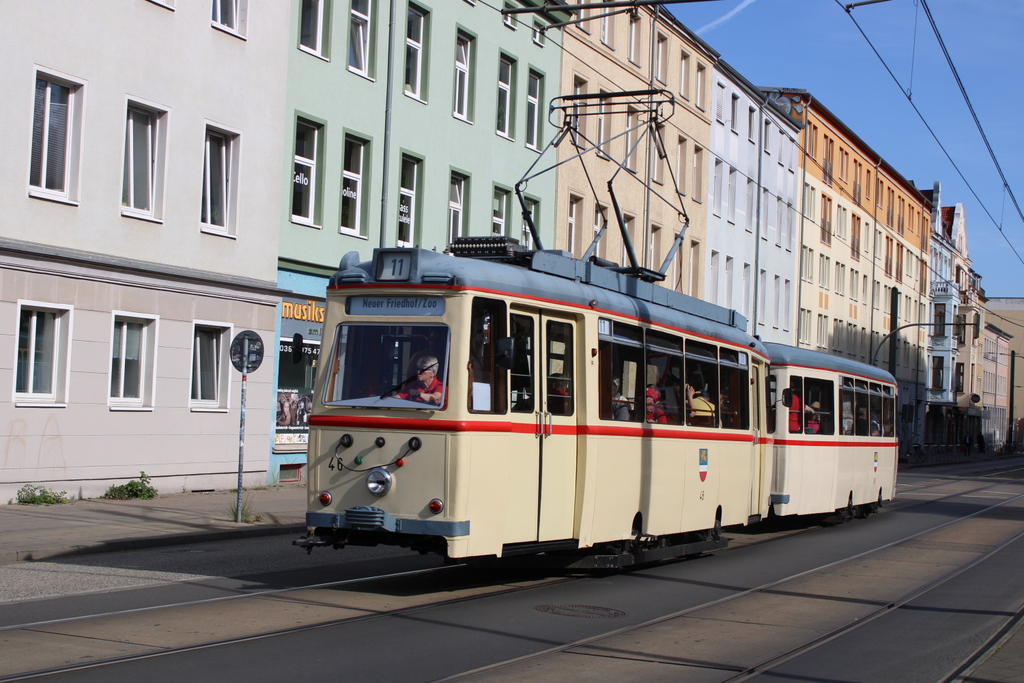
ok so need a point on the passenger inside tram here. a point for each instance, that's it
(654, 411)
(620, 404)
(701, 409)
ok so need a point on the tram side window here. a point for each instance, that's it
(487, 382)
(819, 393)
(846, 401)
(888, 411)
(735, 394)
(621, 361)
(665, 379)
(796, 405)
(861, 405)
(701, 384)
(523, 397)
(559, 368)
(875, 413)
(771, 391)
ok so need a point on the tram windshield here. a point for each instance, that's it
(390, 366)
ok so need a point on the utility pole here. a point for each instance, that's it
(1012, 383)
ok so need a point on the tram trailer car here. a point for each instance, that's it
(835, 433)
(527, 403)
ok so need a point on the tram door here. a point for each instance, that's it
(544, 383)
(757, 458)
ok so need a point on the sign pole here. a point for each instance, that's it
(241, 430)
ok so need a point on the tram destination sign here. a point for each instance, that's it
(395, 305)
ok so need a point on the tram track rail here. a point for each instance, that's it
(505, 588)
(739, 674)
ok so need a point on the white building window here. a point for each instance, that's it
(602, 129)
(456, 206)
(526, 237)
(632, 138)
(499, 211)
(684, 75)
(575, 244)
(407, 201)
(538, 34)
(660, 65)
(44, 348)
(607, 29)
(700, 95)
(506, 77)
(359, 38)
(353, 170)
(305, 176)
(311, 27)
(56, 139)
(132, 360)
(533, 97)
(145, 151)
(634, 39)
(230, 15)
(220, 173)
(463, 54)
(209, 372)
(415, 39)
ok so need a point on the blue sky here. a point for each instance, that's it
(814, 45)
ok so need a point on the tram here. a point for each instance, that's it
(500, 402)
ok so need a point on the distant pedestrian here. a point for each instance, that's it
(967, 445)
(981, 443)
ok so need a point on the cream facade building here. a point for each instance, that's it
(863, 231)
(138, 236)
(648, 49)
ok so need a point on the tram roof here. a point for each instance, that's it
(781, 354)
(556, 276)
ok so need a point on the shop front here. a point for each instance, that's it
(301, 327)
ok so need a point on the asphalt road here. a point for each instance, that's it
(905, 595)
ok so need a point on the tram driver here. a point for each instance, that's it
(426, 388)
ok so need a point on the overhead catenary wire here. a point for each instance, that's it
(935, 136)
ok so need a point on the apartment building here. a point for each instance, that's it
(754, 171)
(995, 388)
(635, 50)
(411, 146)
(955, 379)
(1008, 314)
(138, 236)
(863, 231)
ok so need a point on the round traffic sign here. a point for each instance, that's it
(255, 350)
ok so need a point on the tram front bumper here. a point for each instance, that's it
(370, 518)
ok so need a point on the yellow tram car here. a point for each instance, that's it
(500, 402)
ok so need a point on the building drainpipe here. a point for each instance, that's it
(648, 258)
(756, 308)
(388, 104)
(874, 258)
(803, 221)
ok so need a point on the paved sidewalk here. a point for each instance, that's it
(35, 532)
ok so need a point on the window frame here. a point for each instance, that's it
(157, 161)
(221, 373)
(462, 91)
(361, 27)
(73, 131)
(147, 362)
(500, 198)
(318, 15)
(414, 51)
(60, 360)
(315, 172)
(457, 206)
(237, 24)
(506, 97)
(533, 120)
(349, 176)
(407, 197)
(230, 157)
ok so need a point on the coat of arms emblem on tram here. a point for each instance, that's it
(703, 464)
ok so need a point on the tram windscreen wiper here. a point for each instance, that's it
(399, 385)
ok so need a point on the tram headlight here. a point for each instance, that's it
(379, 481)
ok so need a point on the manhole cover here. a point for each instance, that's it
(582, 611)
